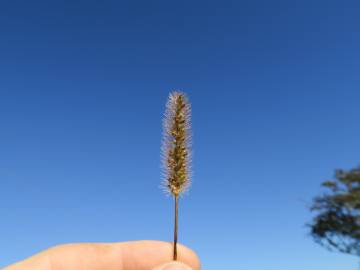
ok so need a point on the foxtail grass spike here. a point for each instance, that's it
(176, 151)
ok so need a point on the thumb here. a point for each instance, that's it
(172, 266)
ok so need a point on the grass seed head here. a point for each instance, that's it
(176, 145)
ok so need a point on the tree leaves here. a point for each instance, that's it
(336, 224)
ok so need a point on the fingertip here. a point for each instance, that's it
(172, 266)
(149, 254)
(188, 256)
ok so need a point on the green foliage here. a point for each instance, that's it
(336, 224)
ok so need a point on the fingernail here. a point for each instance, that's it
(173, 266)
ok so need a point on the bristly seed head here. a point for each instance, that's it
(176, 144)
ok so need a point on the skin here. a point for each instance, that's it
(135, 255)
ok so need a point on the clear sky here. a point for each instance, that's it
(275, 91)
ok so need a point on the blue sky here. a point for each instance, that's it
(275, 91)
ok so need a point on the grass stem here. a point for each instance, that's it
(176, 221)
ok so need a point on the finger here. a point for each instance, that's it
(137, 255)
(148, 254)
(172, 266)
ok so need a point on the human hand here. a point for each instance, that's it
(136, 255)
